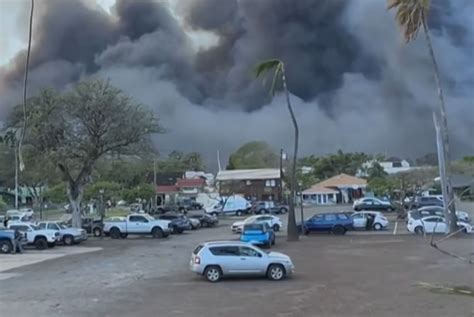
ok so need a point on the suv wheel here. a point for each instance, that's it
(213, 273)
(276, 227)
(339, 230)
(276, 272)
(214, 214)
(239, 213)
(377, 226)
(6, 246)
(41, 243)
(283, 210)
(68, 240)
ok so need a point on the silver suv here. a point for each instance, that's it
(231, 258)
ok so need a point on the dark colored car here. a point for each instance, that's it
(374, 204)
(179, 222)
(206, 220)
(269, 207)
(189, 204)
(420, 202)
(337, 223)
(91, 225)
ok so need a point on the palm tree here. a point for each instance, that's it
(412, 15)
(278, 68)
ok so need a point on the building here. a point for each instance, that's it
(391, 166)
(166, 194)
(190, 187)
(253, 184)
(341, 188)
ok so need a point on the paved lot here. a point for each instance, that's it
(353, 275)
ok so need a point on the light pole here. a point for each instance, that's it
(102, 207)
(300, 185)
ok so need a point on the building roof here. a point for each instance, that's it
(249, 174)
(318, 189)
(191, 182)
(166, 189)
(343, 180)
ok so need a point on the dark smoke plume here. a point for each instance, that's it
(355, 84)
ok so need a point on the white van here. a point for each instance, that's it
(233, 205)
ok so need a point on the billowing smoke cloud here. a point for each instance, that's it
(354, 83)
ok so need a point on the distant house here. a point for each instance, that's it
(166, 194)
(341, 188)
(209, 177)
(253, 184)
(190, 187)
(391, 166)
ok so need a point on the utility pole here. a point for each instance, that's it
(281, 176)
(155, 202)
(218, 161)
(301, 207)
(16, 177)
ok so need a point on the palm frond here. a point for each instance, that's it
(266, 66)
(410, 15)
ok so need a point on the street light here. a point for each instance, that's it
(300, 185)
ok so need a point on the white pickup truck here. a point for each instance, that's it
(139, 224)
(40, 238)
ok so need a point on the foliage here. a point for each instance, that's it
(376, 171)
(111, 190)
(75, 129)
(410, 15)
(430, 159)
(468, 159)
(330, 165)
(56, 194)
(256, 154)
(3, 204)
(143, 191)
(382, 186)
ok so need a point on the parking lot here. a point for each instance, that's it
(360, 274)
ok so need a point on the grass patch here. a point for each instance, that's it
(441, 289)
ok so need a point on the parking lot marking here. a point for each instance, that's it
(395, 228)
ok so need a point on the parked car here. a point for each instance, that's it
(67, 235)
(206, 220)
(19, 217)
(40, 238)
(360, 220)
(189, 204)
(337, 223)
(92, 226)
(439, 211)
(195, 223)
(24, 211)
(178, 222)
(218, 259)
(273, 222)
(424, 201)
(433, 224)
(266, 207)
(7, 241)
(139, 224)
(258, 234)
(372, 203)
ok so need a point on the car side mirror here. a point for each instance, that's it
(259, 255)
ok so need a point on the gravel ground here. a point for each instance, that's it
(355, 275)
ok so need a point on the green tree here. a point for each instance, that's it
(278, 68)
(74, 130)
(376, 171)
(111, 190)
(142, 191)
(412, 15)
(56, 194)
(381, 185)
(256, 154)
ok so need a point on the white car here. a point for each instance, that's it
(67, 235)
(439, 211)
(360, 220)
(40, 238)
(273, 222)
(231, 258)
(433, 224)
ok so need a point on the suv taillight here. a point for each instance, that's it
(197, 260)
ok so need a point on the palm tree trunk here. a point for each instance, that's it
(450, 209)
(292, 229)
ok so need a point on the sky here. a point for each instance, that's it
(354, 83)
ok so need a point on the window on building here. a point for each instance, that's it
(270, 183)
(248, 182)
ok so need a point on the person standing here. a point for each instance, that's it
(18, 238)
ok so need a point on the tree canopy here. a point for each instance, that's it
(256, 154)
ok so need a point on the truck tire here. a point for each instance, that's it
(6, 246)
(51, 244)
(97, 232)
(41, 243)
(115, 233)
(239, 213)
(157, 233)
(68, 239)
(338, 230)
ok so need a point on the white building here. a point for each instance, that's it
(390, 167)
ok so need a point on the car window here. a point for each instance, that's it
(246, 251)
(52, 226)
(317, 218)
(20, 228)
(198, 248)
(137, 219)
(433, 220)
(330, 217)
(225, 251)
(357, 216)
(253, 226)
(42, 225)
(342, 217)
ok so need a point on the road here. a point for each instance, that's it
(355, 275)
